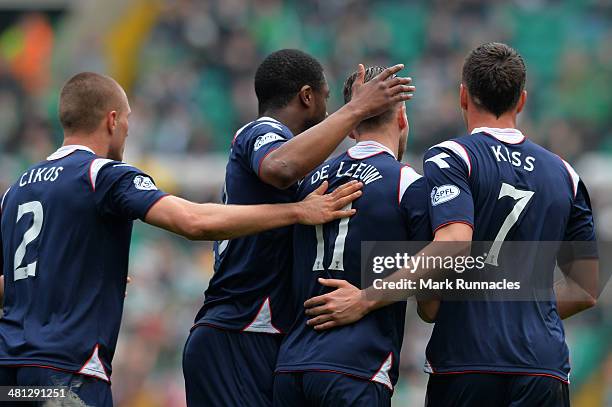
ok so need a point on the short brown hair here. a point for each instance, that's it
(370, 73)
(85, 99)
(494, 74)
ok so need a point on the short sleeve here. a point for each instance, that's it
(260, 139)
(413, 204)
(579, 238)
(122, 190)
(447, 170)
(263, 145)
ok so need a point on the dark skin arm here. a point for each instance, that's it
(348, 304)
(296, 158)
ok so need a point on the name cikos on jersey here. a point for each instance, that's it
(66, 230)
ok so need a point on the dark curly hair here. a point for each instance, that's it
(494, 74)
(281, 76)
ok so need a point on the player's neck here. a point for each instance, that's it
(385, 138)
(479, 119)
(99, 147)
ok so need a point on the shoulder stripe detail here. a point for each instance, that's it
(267, 118)
(382, 375)
(407, 177)
(263, 320)
(94, 367)
(3, 197)
(240, 131)
(459, 150)
(94, 168)
(573, 175)
(271, 124)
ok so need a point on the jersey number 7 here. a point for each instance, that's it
(522, 198)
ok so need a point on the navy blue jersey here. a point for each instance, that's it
(393, 207)
(508, 189)
(66, 229)
(248, 290)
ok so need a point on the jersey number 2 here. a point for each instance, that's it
(522, 198)
(36, 209)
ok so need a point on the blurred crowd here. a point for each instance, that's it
(189, 76)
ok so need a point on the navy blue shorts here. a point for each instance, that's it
(229, 368)
(82, 390)
(500, 390)
(323, 389)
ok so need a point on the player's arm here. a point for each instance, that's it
(219, 222)
(124, 191)
(451, 220)
(297, 157)
(578, 258)
(579, 290)
(348, 304)
(428, 308)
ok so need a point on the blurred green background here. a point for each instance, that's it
(188, 68)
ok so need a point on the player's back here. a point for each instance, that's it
(248, 290)
(509, 189)
(392, 208)
(65, 240)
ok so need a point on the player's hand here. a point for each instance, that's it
(428, 309)
(319, 207)
(343, 306)
(380, 93)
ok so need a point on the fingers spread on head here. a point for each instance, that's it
(392, 70)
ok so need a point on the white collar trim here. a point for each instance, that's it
(267, 118)
(368, 148)
(510, 136)
(67, 150)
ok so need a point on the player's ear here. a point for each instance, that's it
(521, 103)
(306, 95)
(353, 134)
(463, 97)
(402, 119)
(111, 121)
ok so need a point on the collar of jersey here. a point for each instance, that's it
(510, 136)
(368, 148)
(67, 150)
(267, 118)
